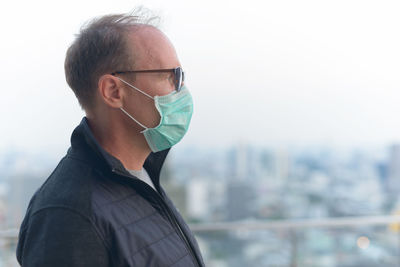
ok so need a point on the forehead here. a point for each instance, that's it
(151, 49)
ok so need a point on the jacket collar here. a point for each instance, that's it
(85, 146)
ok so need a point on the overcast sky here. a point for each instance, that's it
(264, 72)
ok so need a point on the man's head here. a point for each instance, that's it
(101, 67)
(119, 43)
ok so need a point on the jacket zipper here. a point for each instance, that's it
(171, 216)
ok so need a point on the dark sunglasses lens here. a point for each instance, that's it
(178, 79)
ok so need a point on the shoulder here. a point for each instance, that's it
(61, 210)
(60, 237)
(69, 185)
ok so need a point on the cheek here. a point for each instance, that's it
(146, 112)
(152, 115)
(163, 87)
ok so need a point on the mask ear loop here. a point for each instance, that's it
(135, 120)
(137, 89)
(129, 115)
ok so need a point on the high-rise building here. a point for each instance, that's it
(393, 179)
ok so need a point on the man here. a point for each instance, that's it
(103, 205)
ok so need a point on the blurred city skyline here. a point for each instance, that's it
(268, 72)
(250, 184)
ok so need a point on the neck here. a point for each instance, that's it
(115, 136)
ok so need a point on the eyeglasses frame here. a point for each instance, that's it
(179, 75)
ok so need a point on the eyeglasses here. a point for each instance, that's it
(179, 75)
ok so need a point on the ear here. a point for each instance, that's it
(110, 90)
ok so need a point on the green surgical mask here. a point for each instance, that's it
(175, 110)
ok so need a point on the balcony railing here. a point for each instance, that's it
(296, 224)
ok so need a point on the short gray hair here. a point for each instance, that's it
(100, 48)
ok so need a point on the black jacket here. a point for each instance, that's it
(91, 212)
